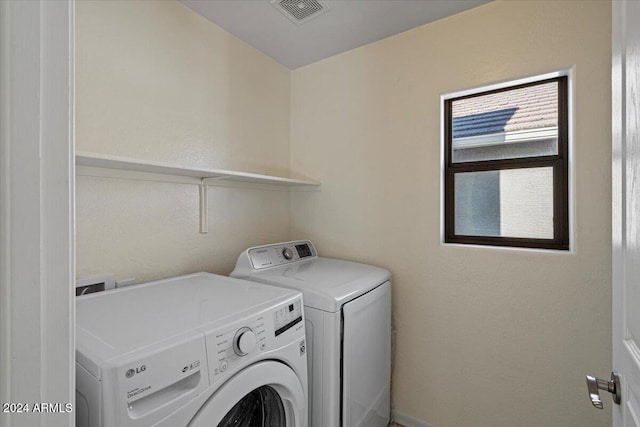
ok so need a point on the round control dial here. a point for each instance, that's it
(244, 342)
(287, 253)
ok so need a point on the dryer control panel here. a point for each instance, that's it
(281, 253)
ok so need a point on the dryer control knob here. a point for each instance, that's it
(287, 253)
(244, 342)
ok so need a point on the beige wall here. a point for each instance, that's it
(486, 337)
(155, 81)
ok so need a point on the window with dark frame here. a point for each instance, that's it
(506, 167)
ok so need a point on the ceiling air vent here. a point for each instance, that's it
(300, 11)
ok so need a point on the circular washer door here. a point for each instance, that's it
(267, 394)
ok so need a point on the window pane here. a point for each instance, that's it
(505, 203)
(510, 124)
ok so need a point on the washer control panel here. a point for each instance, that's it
(281, 253)
(287, 317)
(234, 343)
(241, 342)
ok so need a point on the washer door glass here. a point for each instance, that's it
(260, 408)
(265, 394)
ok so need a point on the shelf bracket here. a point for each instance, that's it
(204, 207)
(204, 218)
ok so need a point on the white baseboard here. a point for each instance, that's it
(408, 421)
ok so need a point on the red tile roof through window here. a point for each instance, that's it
(530, 107)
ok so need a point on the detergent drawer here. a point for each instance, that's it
(147, 385)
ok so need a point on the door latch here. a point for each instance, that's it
(612, 386)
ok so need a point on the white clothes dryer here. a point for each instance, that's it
(200, 351)
(347, 308)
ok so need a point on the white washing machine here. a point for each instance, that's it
(200, 350)
(347, 307)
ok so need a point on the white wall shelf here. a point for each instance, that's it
(93, 164)
(126, 164)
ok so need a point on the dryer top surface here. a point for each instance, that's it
(325, 283)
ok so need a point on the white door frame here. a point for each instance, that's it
(37, 255)
(626, 209)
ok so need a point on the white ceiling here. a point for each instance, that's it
(348, 24)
